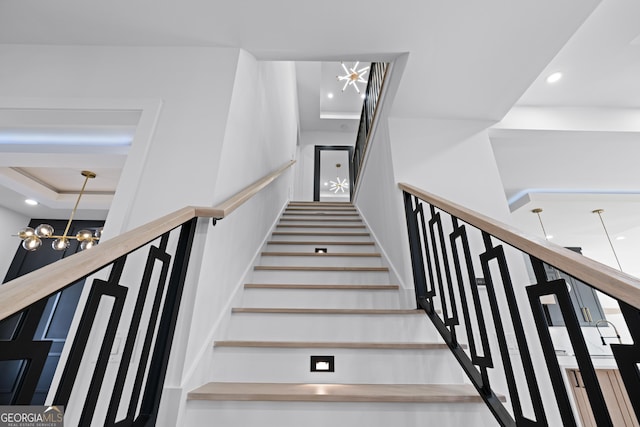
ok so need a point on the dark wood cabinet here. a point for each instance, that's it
(584, 298)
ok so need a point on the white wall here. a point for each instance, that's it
(195, 144)
(10, 223)
(305, 158)
(381, 205)
(260, 137)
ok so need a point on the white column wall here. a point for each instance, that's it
(260, 136)
(380, 203)
(10, 223)
(192, 85)
(305, 155)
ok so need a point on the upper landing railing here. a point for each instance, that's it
(375, 85)
(470, 275)
(162, 247)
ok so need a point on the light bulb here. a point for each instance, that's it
(98, 233)
(87, 244)
(44, 230)
(31, 243)
(60, 244)
(26, 232)
(83, 235)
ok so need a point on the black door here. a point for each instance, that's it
(48, 323)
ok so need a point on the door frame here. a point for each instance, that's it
(316, 167)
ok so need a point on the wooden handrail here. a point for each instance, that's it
(619, 285)
(23, 291)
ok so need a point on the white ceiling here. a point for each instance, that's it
(572, 147)
(44, 151)
(458, 60)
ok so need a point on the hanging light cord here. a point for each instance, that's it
(87, 175)
(537, 212)
(599, 212)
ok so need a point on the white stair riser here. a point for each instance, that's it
(307, 237)
(301, 229)
(318, 211)
(358, 366)
(337, 414)
(321, 277)
(320, 298)
(315, 221)
(331, 247)
(322, 261)
(332, 327)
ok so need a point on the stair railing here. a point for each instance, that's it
(457, 255)
(375, 84)
(167, 243)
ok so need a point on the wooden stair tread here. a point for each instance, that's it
(317, 233)
(322, 207)
(409, 393)
(319, 226)
(317, 203)
(305, 268)
(320, 214)
(323, 219)
(355, 311)
(307, 242)
(336, 344)
(321, 287)
(321, 255)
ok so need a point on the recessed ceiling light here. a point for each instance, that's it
(330, 95)
(620, 238)
(554, 77)
(31, 202)
(549, 236)
(326, 184)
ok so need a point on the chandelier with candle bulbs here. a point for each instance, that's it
(32, 237)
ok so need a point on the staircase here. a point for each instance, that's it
(390, 367)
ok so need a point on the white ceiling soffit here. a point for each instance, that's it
(44, 151)
(312, 88)
(471, 60)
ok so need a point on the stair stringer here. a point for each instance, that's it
(174, 396)
(408, 292)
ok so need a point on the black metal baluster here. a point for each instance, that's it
(449, 310)
(98, 289)
(164, 338)
(146, 351)
(497, 253)
(544, 287)
(485, 361)
(417, 260)
(431, 283)
(155, 254)
(22, 346)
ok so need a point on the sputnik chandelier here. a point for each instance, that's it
(338, 184)
(353, 76)
(32, 238)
